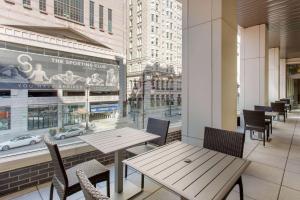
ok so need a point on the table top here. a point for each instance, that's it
(190, 171)
(117, 139)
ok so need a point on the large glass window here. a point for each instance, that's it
(110, 20)
(4, 118)
(69, 9)
(101, 18)
(42, 5)
(42, 116)
(92, 4)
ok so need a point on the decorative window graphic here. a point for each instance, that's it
(32, 71)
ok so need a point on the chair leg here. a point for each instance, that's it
(142, 181)
(108, 187)
(126, 171)
(51, 192)
(240, 182)
(271, 127)
(264, 138)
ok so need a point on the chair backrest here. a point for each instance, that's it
(254, 118)
(59, 169)
(89, 191)
(286, 100)
(263, 108)
(278, 107)
(228, 142)
(158, 127)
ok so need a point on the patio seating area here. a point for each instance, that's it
(272, 174)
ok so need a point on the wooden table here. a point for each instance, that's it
(117, 141)
(192, 172)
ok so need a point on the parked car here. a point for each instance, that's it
(19, 141)
(71, 132)
(91, 125)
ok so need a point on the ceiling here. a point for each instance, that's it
(283, 19)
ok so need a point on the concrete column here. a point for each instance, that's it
(273, 74)
(209, 66)
(282, 78)
(254, 66)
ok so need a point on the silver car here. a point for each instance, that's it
(75, 131)
(19, 141)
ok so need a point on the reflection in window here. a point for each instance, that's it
(74, 114)
(42, 116)
(4, 118)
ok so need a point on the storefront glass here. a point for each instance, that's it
(41, 117)
(4, 118)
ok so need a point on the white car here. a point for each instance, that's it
(75, 131)
(19, 141)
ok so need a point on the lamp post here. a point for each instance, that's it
(87, 107)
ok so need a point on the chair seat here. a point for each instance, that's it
(91, 168)
(136, 150)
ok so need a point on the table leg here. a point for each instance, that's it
(119, 171)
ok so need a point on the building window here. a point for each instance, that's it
(4, 118)
(110, 20)
(92, 14)
(42, 116)
(152, 100)
(101, 18)
(27, 3)
(69, 9)
(42, 5)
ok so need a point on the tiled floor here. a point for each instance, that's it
(274, 173)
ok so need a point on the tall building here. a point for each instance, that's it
(154, 47)
(60, 60)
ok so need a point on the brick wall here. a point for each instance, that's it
(19, 179)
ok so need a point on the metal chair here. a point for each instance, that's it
(65, 181)
(154, 126)
(279, 107)
(89, 191)
(228, 142)
(287, 103)
(268, 118)
(255, 121)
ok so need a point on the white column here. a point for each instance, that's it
(209, 66)
(254, 66)
(273, 74)
(282, 79)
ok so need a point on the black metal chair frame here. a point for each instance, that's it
(268, 118)
(254, 121)
(287, 102)
(60, 179)
(279, 107)
(228, 142)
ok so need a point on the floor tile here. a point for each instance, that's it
(274, 149)
(293, 166)
(30, 196)
(292, 180)
(259, 189)
(265, 172)
(289, 194)
(236, 196)
(273, 161)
